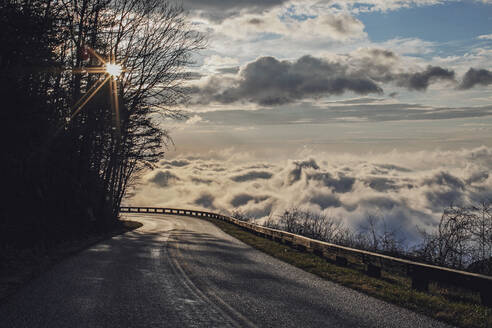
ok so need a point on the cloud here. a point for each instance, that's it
(163, 178)
(420, 81)
(476, 77)
(343, 26)
(324, 200)
(409, 46)
(182, 162)
(342, 184)
(381, 184)
(243, 199)
(252, 175)
(218, 10)
(194, 120)
(201, 181)
(445, 179)
(229, 70)
(294, 173)
(269, 81)
(353, 110)
(206, 200)
(289, 21)
(407, 189)
(485, 37)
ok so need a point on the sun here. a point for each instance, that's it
(113, 69)
(112, 72)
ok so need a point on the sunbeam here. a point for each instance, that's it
(85, 99)
(113, 71)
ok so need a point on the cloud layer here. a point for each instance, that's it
(407, 189)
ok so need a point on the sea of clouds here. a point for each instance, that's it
(409, 190)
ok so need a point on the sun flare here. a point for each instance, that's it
(113, 69)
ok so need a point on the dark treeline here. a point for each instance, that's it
(64, 175)
(462, 238)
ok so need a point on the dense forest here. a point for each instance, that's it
(74, 136)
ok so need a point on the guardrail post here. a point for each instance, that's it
(373, 270)
(301, 248)
(341, 261)
(420, 278)
(486, 294)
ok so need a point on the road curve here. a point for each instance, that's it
(185, 272)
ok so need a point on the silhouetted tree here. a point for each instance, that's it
(463, 237)
(73, 170)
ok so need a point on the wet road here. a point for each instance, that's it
(185, 272)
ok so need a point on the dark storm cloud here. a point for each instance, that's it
(252, 175)
(476, 77)
(420, 81)
(163, 178)
(268, 81)
(218, 10)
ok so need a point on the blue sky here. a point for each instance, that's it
(453, 21)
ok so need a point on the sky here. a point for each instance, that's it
(350, 108)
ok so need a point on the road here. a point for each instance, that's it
(185, 272)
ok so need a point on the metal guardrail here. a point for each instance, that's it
(420, 273)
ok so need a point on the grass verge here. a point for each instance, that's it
(444, 303)
(21, 266)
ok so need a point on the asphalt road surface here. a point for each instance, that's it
(185, 272)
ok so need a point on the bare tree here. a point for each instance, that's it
(241, 216)
(453, 244)
(154, 42)
(83, 154)
(375, 234)
(481, 231)
(308, 223)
